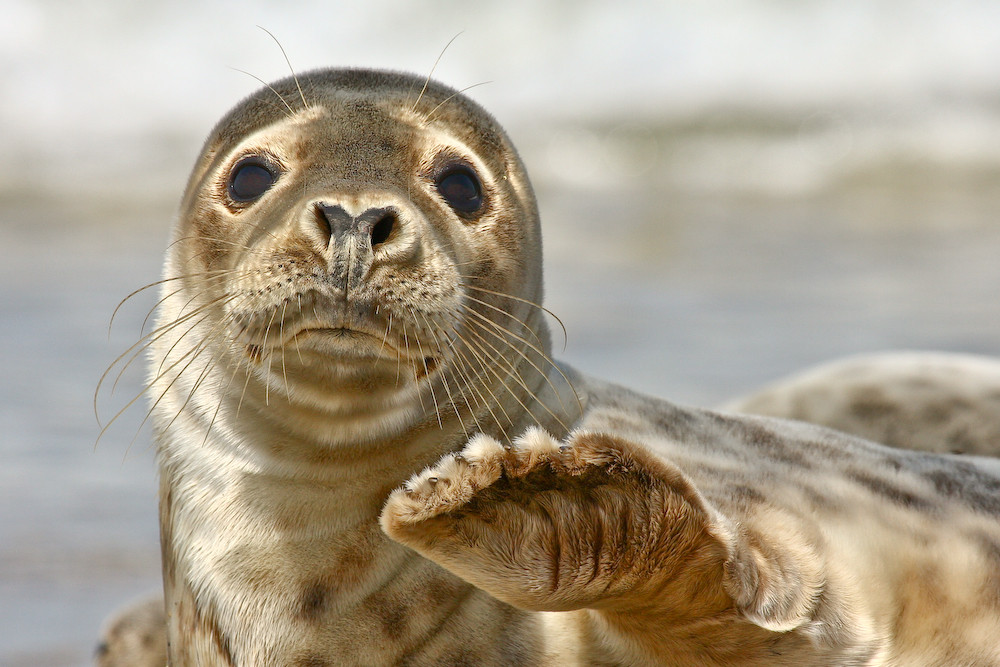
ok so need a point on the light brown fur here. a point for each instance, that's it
(943, 403)
(301, 373)
(135, 636)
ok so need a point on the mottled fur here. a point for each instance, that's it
(298, 379)
(695, 537)
(944, 403)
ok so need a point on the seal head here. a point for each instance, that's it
(366, 246)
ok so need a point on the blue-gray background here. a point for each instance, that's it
(730, 190)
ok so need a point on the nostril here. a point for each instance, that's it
(322, 222)
(333, 220)
(383, 229)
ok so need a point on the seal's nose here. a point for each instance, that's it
(352, 243)
(375, 224)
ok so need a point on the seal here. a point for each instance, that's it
(368, 456)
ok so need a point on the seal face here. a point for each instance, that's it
(351, 357)
(369, 253)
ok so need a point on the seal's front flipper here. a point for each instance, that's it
(551, 526)
(598, 523)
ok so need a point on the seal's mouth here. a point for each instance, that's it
(349, 338)
(340, 332)
(346, 344)
(280, 335)
(357, 340)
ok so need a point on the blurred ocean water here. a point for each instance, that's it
(92, 89)
(730, 191)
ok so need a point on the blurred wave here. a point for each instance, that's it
(749, 95)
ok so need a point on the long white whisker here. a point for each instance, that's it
(520, 300)
(444, 375)
(497, 331)
(427, 81)
(291, 111)
(475, 386)
(513, 373)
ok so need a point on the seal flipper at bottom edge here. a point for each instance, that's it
(135, 636)
(602, 525)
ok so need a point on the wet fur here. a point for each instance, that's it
(619, 530)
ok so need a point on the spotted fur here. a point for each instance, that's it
(944, 403)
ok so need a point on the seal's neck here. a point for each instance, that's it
(270, 536)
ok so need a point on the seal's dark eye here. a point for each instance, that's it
(460, 187)
(250, 179)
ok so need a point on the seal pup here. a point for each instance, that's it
(349, 294)
(350, 306)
